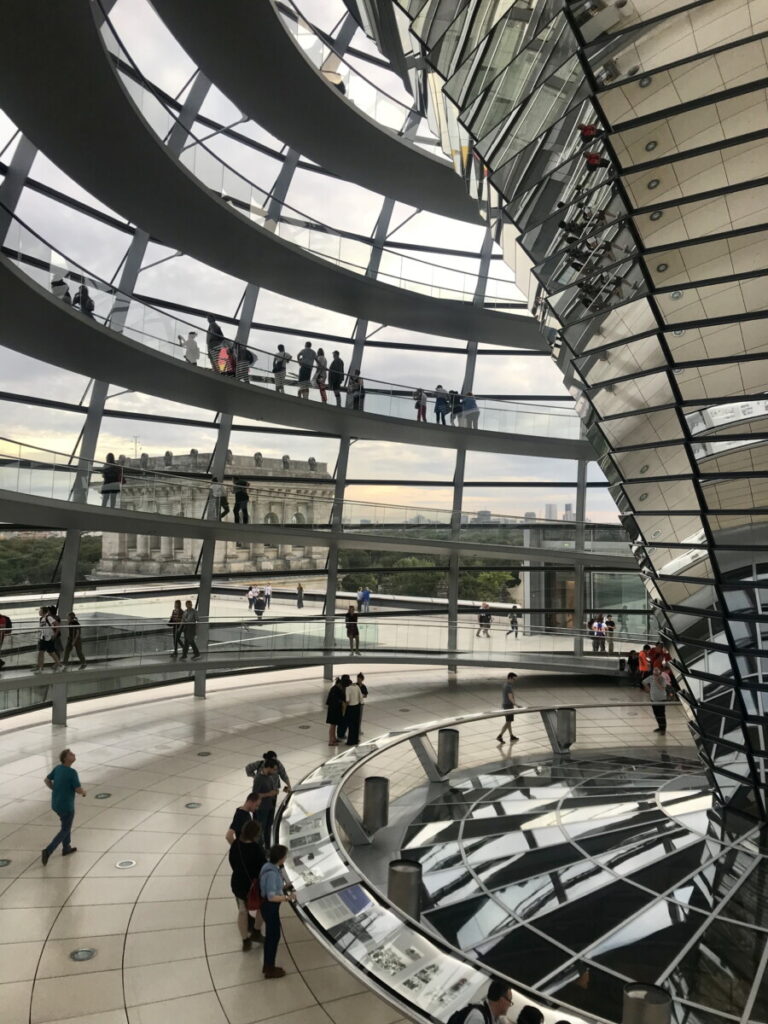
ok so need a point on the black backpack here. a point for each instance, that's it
(459, 1016)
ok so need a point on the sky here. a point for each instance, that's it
(100, 248)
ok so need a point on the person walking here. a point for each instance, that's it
(259, 604)
(244, 360)
(63, 782)
(441, 405)
(60, 289)
(58, 644)
(268, 594)
(299, 595)
(84, 301)
(336, 376)
(46, 639)
(334, 716)
(191, 350)
(214, 338)
(74, 640)
(246, 859)
(250, 595)
(252, 769)
(243, 814)
(353, 632)
(508, 704)
(272, 895)
(513, 622)
(656, 688)
(6, 629)
(366, 603)
(112, 481)
(454, 407)
(484, 619)
(420, 402)
(306, 360)
(354, 697)
(189, 620)
(470, 411)
(359, 599)
(266, 785)
(225, 360)
(356, 391)
(280, 362)
(610, 629)
(241, 499)
(320, 378)
(175, 622)
(218, 505)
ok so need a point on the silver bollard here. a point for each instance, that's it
(375, 803)
(447, 750)
(404, 886)
(646, 1004)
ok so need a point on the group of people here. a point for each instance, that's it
(485, 618)
(496, 1007)
(651, 670)
(80, 300)
(602, 629)
(345, 709)
(183, 623)
(50, 640)
(461, 410)
(260, 599)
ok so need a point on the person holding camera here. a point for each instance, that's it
(273, 892)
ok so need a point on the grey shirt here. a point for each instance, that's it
(508, 695)
(265, 784)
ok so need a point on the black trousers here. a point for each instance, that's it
(271, 914)
(241, 510)
(660, 714)
(354, 713)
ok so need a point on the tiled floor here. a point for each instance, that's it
(164, 931)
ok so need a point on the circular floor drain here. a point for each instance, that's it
(4, 862)
(82, 954)
(203, 753)
(304, 727)
(102, 796)
(125, 864)
(193, 803)
(403, 709)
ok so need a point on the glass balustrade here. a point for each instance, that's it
(321, 240)
(42, 473)
(165, 333)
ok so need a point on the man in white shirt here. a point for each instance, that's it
(268, 594)
(495, 1006)
(354, 699)
(306, 360)
(46, 639)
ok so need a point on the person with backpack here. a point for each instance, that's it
(484, 619)
(189, 620)
(441, 405)
(190, 346)
(214, 337)
(241, 499)
(279, 365)
(84, 301)
(6, 628)
(74, 640)
(356, 391)
(513, 622)
(244, 360)
(336, 376)
(493, 1009)
(455, 407)
(46, 639)
(112, 476)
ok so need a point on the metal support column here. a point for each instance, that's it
(14, 181)
(580, 533)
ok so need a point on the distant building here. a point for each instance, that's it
(529, 515)
(271, 501)
(483, 516)
(569, 516)
(550, 511)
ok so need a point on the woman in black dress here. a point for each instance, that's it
(246, 857)
(353, 633)
(336, 707)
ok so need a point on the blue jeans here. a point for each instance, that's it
(64, 835)
(271, 914)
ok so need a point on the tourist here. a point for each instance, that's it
(189, 621)
(46, 639)
(299, 598)
(84, 301)
(441, 405)
(74, 639)
(213, 338)
(244, 814)
(420, 402)
(353, 633)
(336, 376)
(656, 688)
(112, 477)
(484, 619)
(259, 604)
(633, 668)
(454, 407)
(272, 895)
(610, 628)
(366, 595)
(218, 505)
(597, 629)
(341, 728)
(60, 289)
(241, 499)
(306, 360)
(225, 360)
(492, 1010)
(321, 374)
(659, 657)
(246, 859)
(355, 391)
(252, 769)
(244, 360)
(191, 350)
(470, 412)
(280, 362)
(268, 594)
(593, 161)
(6, 628)
(359, 599)
(58, 643)
(354, 698)
(267, 787)
(513, 622)
(334, 716)
(530, 1015)
(644, 662)
(64, 782)
(175, 621)
(508, 703)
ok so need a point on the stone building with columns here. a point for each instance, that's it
(283, 493)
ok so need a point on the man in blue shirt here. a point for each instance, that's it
(366, 599)
(63, 782)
